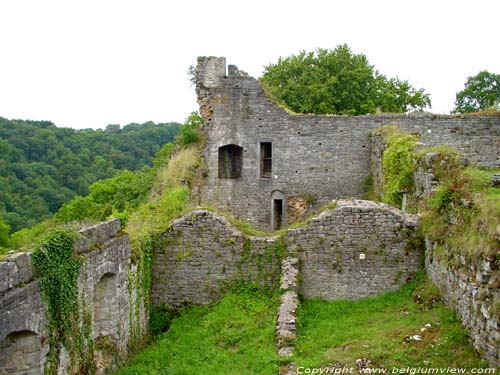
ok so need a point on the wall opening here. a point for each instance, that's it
(277, 213)
(20, 353)
(230, 161)
(106, 311)
(266, 159)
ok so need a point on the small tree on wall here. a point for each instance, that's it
(338, 82)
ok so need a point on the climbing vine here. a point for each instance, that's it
(57, 269)
(398, 165)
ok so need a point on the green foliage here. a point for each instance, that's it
(462, 215)
(379, 329)
(43, 167)
(234, 336)
(57, 269)
(338, 82)
(398, 165)
(367, 188)
(190, 130)
(160, 319)
(120, 193)
(309, 198)
(155, 216)
(25, 238)
(481, 93)
(445, 163)
(4, 233)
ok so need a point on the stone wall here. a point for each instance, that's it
(472, 289)
(103, 288)
(356, 250)
(323, 156)
(471, 286)
(202, 254)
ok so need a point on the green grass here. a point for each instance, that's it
(235, 336)
(377, 329)
(477, 231)
(481, 181)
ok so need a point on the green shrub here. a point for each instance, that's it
(190, 130)
(398, 165)
(160, 318)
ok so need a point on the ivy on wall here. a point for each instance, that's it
(398, 164)
(57, 269)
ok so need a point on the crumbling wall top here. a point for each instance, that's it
(210, 71)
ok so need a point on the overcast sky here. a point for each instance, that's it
(91, 63)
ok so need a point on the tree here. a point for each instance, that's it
(4, 233)
(481, 93)
(338, 82)
(43, 167)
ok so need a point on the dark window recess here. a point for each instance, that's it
(230, 161)
(266, 159)
(278, 213)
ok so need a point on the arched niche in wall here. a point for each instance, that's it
(230, 161)
(277, 209)
(106, 310)
(20, 353)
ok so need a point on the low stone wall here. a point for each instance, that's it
(202, 254)
(104, 296)
(286, 326)
(356, 250)
(473, 289)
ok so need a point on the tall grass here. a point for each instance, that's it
(169, 196)
(235, 336)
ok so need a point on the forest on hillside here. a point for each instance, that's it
(43, 166)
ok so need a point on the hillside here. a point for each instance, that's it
(43, 167)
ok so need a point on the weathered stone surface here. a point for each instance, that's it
(469, 291)
(286, 326)
(104, 295)
(201, 254)
(358, 249)
(324, 156)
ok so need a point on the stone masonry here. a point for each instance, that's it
(327, 157)
(472, 289)
(103, 293)
(202, 254)
(358, 249)
(286, 326)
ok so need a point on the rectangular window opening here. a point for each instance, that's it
(266, 159)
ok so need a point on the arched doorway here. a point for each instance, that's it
(20, 353)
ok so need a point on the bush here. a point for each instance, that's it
(398, 165)
(189, 130)
(160, 319)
